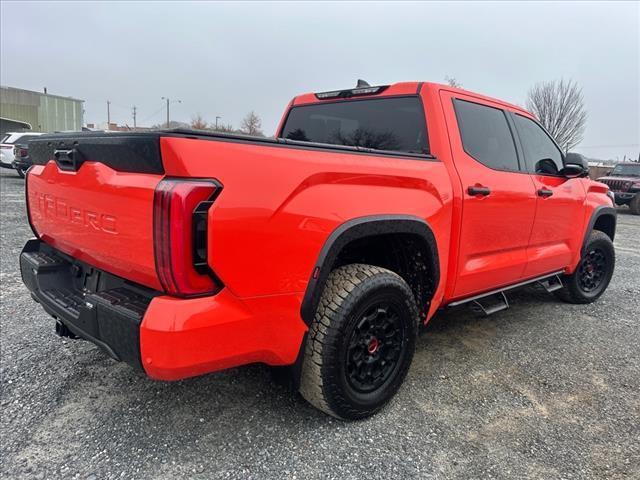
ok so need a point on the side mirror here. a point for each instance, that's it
(546, 166)
(575, 165)
(573, 170)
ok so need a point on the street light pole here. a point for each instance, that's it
(217, 122)
(168, 103)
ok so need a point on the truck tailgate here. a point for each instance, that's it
(99, 213)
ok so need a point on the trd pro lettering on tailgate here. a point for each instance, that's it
(58, 208)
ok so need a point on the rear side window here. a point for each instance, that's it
(486, 135)
(395, 124)
(540, 153)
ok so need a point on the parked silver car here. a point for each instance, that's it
(9, 141)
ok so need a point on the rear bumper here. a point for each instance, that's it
(166, 337)
(92, 304)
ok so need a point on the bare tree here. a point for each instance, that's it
(172, 124)
(559, 106)
(452, 82)
(251, 124)
(199, 123)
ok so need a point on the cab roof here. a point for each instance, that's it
(401, 88)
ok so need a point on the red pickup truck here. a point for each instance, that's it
(322, 249)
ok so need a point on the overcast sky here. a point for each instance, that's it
(225, 59)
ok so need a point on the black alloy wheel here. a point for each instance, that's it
(593, 274)
(361, 342)
(374, 347)
(592, 270)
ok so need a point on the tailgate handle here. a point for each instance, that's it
(69, 159)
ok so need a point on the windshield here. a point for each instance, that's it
(396, 124)
(627, 170)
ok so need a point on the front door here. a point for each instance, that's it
(499, 200)
(560, 209)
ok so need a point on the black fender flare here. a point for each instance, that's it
(599, 212)
(355, 229)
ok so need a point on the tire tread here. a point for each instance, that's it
(318, 388)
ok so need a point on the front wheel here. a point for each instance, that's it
(594, 272)
(361, 342)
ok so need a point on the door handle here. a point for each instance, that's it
(478, 190)
(545, 192)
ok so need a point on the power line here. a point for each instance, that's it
(153, 114)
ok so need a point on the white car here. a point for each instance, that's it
(9, 140)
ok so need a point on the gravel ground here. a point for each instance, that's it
(542, 390)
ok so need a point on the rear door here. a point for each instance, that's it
(499, 198)
(560, 208)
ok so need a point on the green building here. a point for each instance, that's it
(44, 112)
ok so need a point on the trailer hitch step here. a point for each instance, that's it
(63, 331)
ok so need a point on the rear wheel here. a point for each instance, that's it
(594, 271)
(361, 342)
(634, 205)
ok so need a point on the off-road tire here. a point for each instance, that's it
(574, 289)
(348, 294)
(634, 204)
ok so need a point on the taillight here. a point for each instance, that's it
(180, 224)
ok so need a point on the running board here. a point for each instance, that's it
(490, 304)
(496, 300)
(551, 284)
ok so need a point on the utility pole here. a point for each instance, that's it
(168, 103)
(217, 122)
(108, 115)
(134, 117)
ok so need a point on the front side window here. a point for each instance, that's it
(395, 124)
(541, 154)
(486, 135)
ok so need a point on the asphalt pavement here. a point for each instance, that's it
(542, 390)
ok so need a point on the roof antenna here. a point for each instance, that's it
(362, 83)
